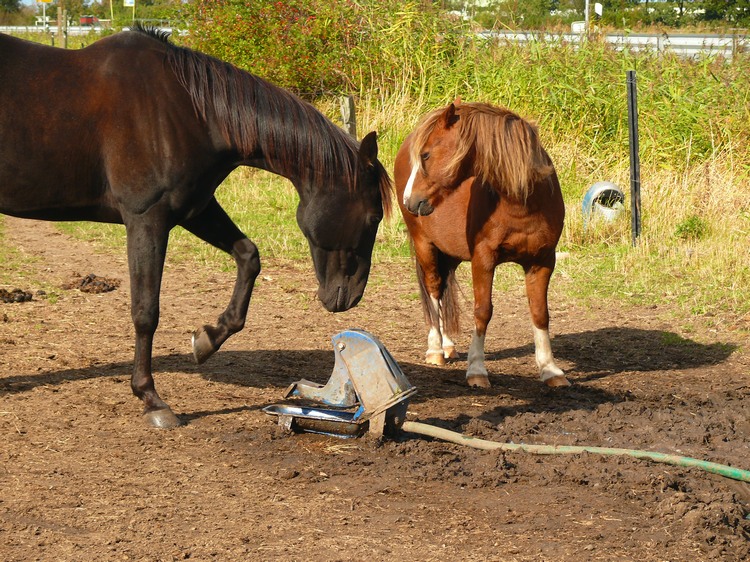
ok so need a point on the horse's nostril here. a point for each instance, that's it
(424, 208)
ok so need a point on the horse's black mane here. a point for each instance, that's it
(256, 116)
(155, 32)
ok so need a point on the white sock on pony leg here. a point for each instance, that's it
(550, 373)
(434, 355)
(476, 373)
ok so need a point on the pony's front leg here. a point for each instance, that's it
(537, 284)
(215, 227)
(476, 372)
(147, 237)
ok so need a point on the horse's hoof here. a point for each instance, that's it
(557, 381)
(435, 358)
(450, 353)
(479, 381)
(162, 419)
(203, 347)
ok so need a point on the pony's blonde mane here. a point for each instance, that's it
(506, 148)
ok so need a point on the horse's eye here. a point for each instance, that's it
(425, 156)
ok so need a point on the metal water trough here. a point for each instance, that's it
(366, 380)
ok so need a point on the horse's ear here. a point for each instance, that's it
(368, 149)
(449, 116)
(457, 101)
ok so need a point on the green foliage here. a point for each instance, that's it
(692, 228)
(315, 46)
(10, 5)
(734, 11)
(688, 109)
(298, 44)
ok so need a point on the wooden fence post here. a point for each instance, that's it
(348, 115)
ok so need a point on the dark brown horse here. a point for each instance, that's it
(475, 184)
(135, 130)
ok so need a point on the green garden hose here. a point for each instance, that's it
(453, 437)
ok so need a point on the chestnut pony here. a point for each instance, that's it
(475, 184)
(137, 131)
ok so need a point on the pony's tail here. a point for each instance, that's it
(520, 160)
(449, 301)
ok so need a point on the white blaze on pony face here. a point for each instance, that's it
(410, 184)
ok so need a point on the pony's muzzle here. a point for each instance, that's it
(421, 209)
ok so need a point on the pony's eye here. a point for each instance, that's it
(425, 156)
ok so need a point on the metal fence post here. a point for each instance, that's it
(635, 163)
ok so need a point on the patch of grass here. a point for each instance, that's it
(14, 266)
(692, 228)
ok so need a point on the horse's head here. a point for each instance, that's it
(340, 225)
(432, 153)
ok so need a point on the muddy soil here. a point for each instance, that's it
(82, 477)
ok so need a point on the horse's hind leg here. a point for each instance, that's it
(537, 283)
(434, 273)
(440, 346)
(215, 227)
(147, 237)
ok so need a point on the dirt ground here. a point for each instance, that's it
(82, 477)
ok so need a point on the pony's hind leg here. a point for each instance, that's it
(215, 227)
(537, 283)
(437, 289)
(434, 354)
(439, 346)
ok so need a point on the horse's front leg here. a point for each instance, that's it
(481, 276)
(215, 227)
(537, 284)
(147, 237)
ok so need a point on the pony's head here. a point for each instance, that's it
(433, 143)
(472, 140)
(340, 224)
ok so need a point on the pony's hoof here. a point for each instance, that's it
(557, 381)
(162, 419)
(479, 381)
(203, 347)
(435, 358)
(450, 353)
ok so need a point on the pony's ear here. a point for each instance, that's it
(368, 149)
(457, 101)
(449, 116)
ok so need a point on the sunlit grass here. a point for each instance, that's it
(13, 264)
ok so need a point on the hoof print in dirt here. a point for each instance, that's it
(92, 284)
(16, 295)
